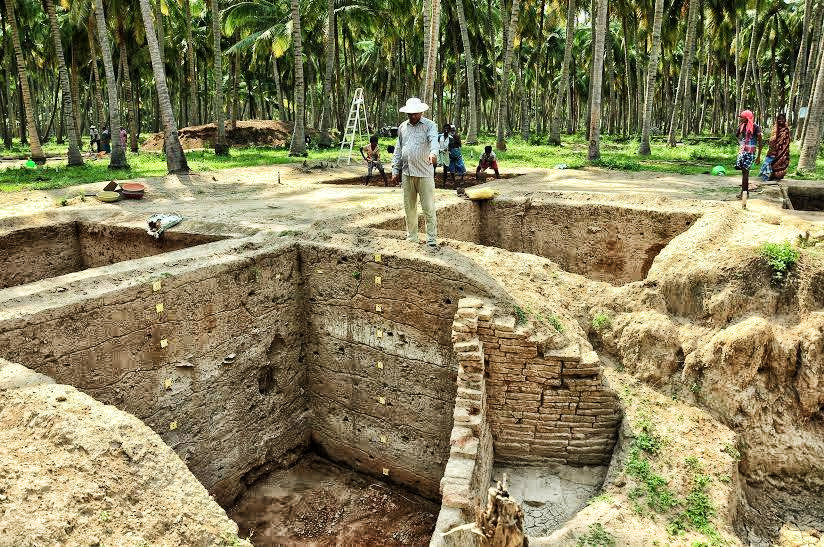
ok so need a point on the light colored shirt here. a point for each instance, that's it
(414, 146)
(443, 142)
(370, 153)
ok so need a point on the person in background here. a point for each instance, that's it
(749, 135)
(123, 137)
(416, 154)
(372, 156)
(778, 154)
(456, 162)
(106, 141)
(488, 160)
(94, 139)
(444, 140)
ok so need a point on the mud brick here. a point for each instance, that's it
(557, 408)
(543, 369)
(458, 336)
(552, 436)
(470, 302)
(557, 396)
(588, 459)
(460, 435)
(524, 353)
(548, 443)
(582, 372)
(585, 404)
(527, 406)
(508, 337)
(604, 420)
(465, 324)
(514, 447)
(552, 427)
(485, 331)
(582, 382)
(521, 396)
(506, 324)
(524, 387)
(467, 346)
(492, 351)
(467, 312)
(520, 428)
(596, 412)
(456, 495)
(589, 443)
(475, 395)
(579, 450)
(565, 422)
(468, 449)
(506, 368)
(602, 397)
(486, 313)
(577, 419)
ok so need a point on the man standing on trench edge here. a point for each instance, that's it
(416, 154)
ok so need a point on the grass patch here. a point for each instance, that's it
(601, 321)
(596, 536)
(520, 315)
(697, 156)
(781, 257)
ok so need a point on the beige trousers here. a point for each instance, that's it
(425, 188)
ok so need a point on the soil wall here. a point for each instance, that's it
(216, 373)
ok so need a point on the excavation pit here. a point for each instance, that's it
(599, 241)
(32, 254)
(806, 196)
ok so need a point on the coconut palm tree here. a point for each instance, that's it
(34, 140)
(811, 144)
(682, 93)
(500, 141)
(597, 80)
(298, 146)
(221, 148)
(472, 131)
(432, 35)
(118, 157)
(75, 158)
(175, 159)
(326, 110)
(191, 83)
(563, 84)
(652, 75)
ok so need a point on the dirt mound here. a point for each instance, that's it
(248, 133)
(75, 471)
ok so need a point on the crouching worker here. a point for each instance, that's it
(488, 160)
(372, 156)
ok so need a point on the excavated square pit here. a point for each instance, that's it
(602, 242)
(32, 254)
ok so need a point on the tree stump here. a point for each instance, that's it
(502, 522)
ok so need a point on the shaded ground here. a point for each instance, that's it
(319, 503)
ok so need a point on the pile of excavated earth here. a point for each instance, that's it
(611, 352)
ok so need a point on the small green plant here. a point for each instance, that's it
(605, 497)
(596, 536)
(286, 233)
(781, 258)
(601, 321)
(64, 202)
(356, 275)
(105, 516)
(733, 451)
(556, 323)
(698, 510)
(520, 315)
(725, 478)
(695, 387)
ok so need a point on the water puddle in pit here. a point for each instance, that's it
(550, 496)
(317, 503)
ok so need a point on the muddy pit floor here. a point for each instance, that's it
(317, 502)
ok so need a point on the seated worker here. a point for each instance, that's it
(456, 162)
(372, 156)
(488, 160)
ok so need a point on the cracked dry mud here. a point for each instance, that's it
(320, 406)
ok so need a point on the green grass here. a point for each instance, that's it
(697, 156)
(781, 258)
(596, 536)
(601, 321)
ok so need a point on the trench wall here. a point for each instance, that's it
(38, 253)
(381, 368)
(226, 417)
(602, 242)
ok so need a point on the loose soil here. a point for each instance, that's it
(247, 133)
(317, 503)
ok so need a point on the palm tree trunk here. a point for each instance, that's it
(127, 85)
(563, 85)
(68, 108)
(503, 88)
(812, 137)
(191, 77)
(652, 75)
(74, 81)
(118, 159)
(431, 51)
(98, 88)
(283, 115)
(800, 64)
(36, 151)
(175, 159)
(235, 76)
(682, 93)
(221, 148)
(298, 146)
(472, 132)
(741, 97)
(426, 13)
(597, 79)
(326, 109)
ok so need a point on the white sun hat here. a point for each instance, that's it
(413, 106)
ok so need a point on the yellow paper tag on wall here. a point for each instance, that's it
(156, 286)
(382, 400)
(383, 438)
(167, 383)
(377, 257)
(164, 343)
(380, 365)
(159, 307)
(386, 471)
(172, 426)
(378, 308)
(379, 333)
